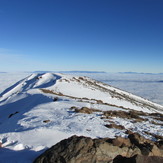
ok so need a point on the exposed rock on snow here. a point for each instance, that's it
(85, 110)
(84, 149)
(113, 125)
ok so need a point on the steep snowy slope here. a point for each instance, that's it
(79, 88)
(42, 109)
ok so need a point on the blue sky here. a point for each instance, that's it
(97, 35)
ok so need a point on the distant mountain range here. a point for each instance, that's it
(70, 71)
(140, 73)
(93, 72)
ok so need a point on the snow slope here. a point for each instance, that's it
(35, 113)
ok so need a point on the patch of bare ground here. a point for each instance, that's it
(113, 125)
(122, 114)
(51, 92)
(156, 123)
(157, 116)
(84, 110)
(136, 116)
(47, 91)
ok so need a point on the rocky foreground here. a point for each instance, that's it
(82, 149)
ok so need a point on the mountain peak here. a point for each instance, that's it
(79, 88)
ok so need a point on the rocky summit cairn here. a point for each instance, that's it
(82, 149)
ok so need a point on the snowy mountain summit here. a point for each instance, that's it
(80, 88)
(42, 109)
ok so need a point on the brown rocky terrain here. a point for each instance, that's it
(82, 149)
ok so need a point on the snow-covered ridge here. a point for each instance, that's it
(79, 87)
(38, 111)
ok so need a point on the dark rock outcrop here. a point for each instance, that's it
(46, 121)
(82, 149)
(13, 114)
(138, 159)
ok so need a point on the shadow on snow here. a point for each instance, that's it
(12, 156)
(21, 106)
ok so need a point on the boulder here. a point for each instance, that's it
(80, 149)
